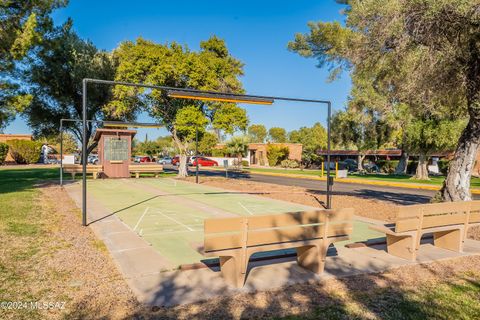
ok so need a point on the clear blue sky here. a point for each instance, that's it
(256, 32)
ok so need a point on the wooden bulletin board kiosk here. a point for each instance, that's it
(114, 151)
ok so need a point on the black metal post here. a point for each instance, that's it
(196, 153)
(329, 186)
(84, 152)
(230, 95)
(61, 152)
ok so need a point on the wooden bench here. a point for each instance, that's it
(448, 221)
(145, 168)
(77, 168)
(234, 240)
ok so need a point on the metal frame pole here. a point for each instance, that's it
(329, 186)
(196, 153)
(61, 152)
(84, 152)
(109, 82)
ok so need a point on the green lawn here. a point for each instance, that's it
(434, 180)
(449, 299)
(21, 234)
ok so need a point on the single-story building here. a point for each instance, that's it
(257, 152)
(6, 137)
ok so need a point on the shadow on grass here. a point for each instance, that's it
(14, 180)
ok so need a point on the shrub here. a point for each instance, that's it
(25, 151)
(275, 154)
(387, 166)
(219, 152)
(294, 164)
(3, 152)
(287, 163)
(245, 163)
(443, 166)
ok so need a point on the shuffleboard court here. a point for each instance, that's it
(169, 214)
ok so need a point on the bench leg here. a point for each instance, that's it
(402, 246)
(313, 257)
(73, 175)
(156, 174)
(450, 240)
(95, 175)
(137, 175)
(231, 268)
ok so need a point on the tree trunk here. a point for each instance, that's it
(182, 166)
(360, 159)
(402, 165)
(422, 169)
(456, 186)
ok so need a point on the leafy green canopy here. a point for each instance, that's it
(211, 68)
(22, 26)
(56, 88)
(312, 139)
(257, 133)
(277, 135)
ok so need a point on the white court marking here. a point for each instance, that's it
(139, 220)
(245, 208)
(176, 221)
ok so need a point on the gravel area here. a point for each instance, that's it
(72, 266)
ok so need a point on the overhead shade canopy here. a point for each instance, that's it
(131, 124)
(218, 97)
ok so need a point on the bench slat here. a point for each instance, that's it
(222, 225)
(278, 220)
(269, 236)
(434, 215)
(475, 217)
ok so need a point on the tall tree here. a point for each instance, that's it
(362, 130)
(257, 133)
(211, 68)
(277, 135)
(425, 136)
(22, 26)
(207, 143)
(54, 81)
(312, 139)
(426, 52)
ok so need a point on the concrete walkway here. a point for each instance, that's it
(144, 268)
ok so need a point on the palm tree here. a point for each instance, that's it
(238, 146)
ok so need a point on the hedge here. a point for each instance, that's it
(293, 164)
(3, 152)
(219, 152)
(25, 151)
(387, 166)
(275, 154)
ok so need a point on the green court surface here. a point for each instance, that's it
(169, 214)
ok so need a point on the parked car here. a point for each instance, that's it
(141, 159)
(176, 160)
(165, 160)
(146, 159)
(93, 159)
(203, 162)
